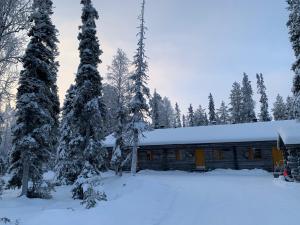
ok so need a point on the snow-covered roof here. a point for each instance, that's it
(246, 132)
(290, 134)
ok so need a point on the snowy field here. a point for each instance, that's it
(221, 197)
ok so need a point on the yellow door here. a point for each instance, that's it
(200, 158)
(277, 157)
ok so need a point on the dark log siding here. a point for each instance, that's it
(233, 156)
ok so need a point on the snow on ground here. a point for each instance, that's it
(220, 197)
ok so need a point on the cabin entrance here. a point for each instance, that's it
(200, 159)
(277, 156)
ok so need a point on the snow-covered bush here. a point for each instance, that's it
(1, 186)
(88, 188)
(41, 190)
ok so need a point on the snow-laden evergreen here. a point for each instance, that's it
(223, 114)
(279, 109)
(294, 32)
(138, 106)
(156, 107)
(89, 110)
(168, 114)
(191, 117)
(35, 134)
(290, 108)
(248, 104)
(264, 105)
(200, 117)
(68, 166)
(236, 103)
(184, 122)
(118, 78)
(177, 116)
(211, 110)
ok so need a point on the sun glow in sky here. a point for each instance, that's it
(194, 46)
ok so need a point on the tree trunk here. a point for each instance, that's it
(25, 177)
(134, 153)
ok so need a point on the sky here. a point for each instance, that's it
(194, 47)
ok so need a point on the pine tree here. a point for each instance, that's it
(290, 108)
(264, 111)
(191, 117)
(200, 117)
(156, 104)
(68, 166)
(35, 134)
(118, 77)
(89, 110)
(223, 114)
(167, 114)
(140, 92)
(211, 108)
(236, 103)
(247, 110)
(279, 109)
(294, 32)
(177, 116)
(184, 123)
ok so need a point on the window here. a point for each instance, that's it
(257, 153)
(149, 155)
(177, 155)
(218, 154)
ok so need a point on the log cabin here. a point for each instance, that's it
(231, 146)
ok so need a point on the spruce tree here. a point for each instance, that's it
(294, 32)
(156, 104)
(167, 113)
(68, 166)
(184, 123)
(279, 109)
(290, 108)
(35, 134)
(236, 103)
(200, 117)
(191, 117)
(261, 89)
(118, 78)
(247, 110)
(177, 116)
(223, 114)
(138, 106)
(89, 110)
(211, 109)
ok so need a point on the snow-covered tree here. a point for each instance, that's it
(223, 114)
(118, 77)
(156, 107)
(279, 109)
(200, 117)
(290, 108)
(67, 165)
(89, 110)
(264, 106)
(294, 32)
(211, 109)
(191, 117)
(110, 98)
(177, 116)
(138, 106)
(14, 20)
(248, 104)
(35, 134)
(167, 117)
(236, 103)
(184, 122)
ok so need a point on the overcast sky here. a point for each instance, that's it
(194, 46)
